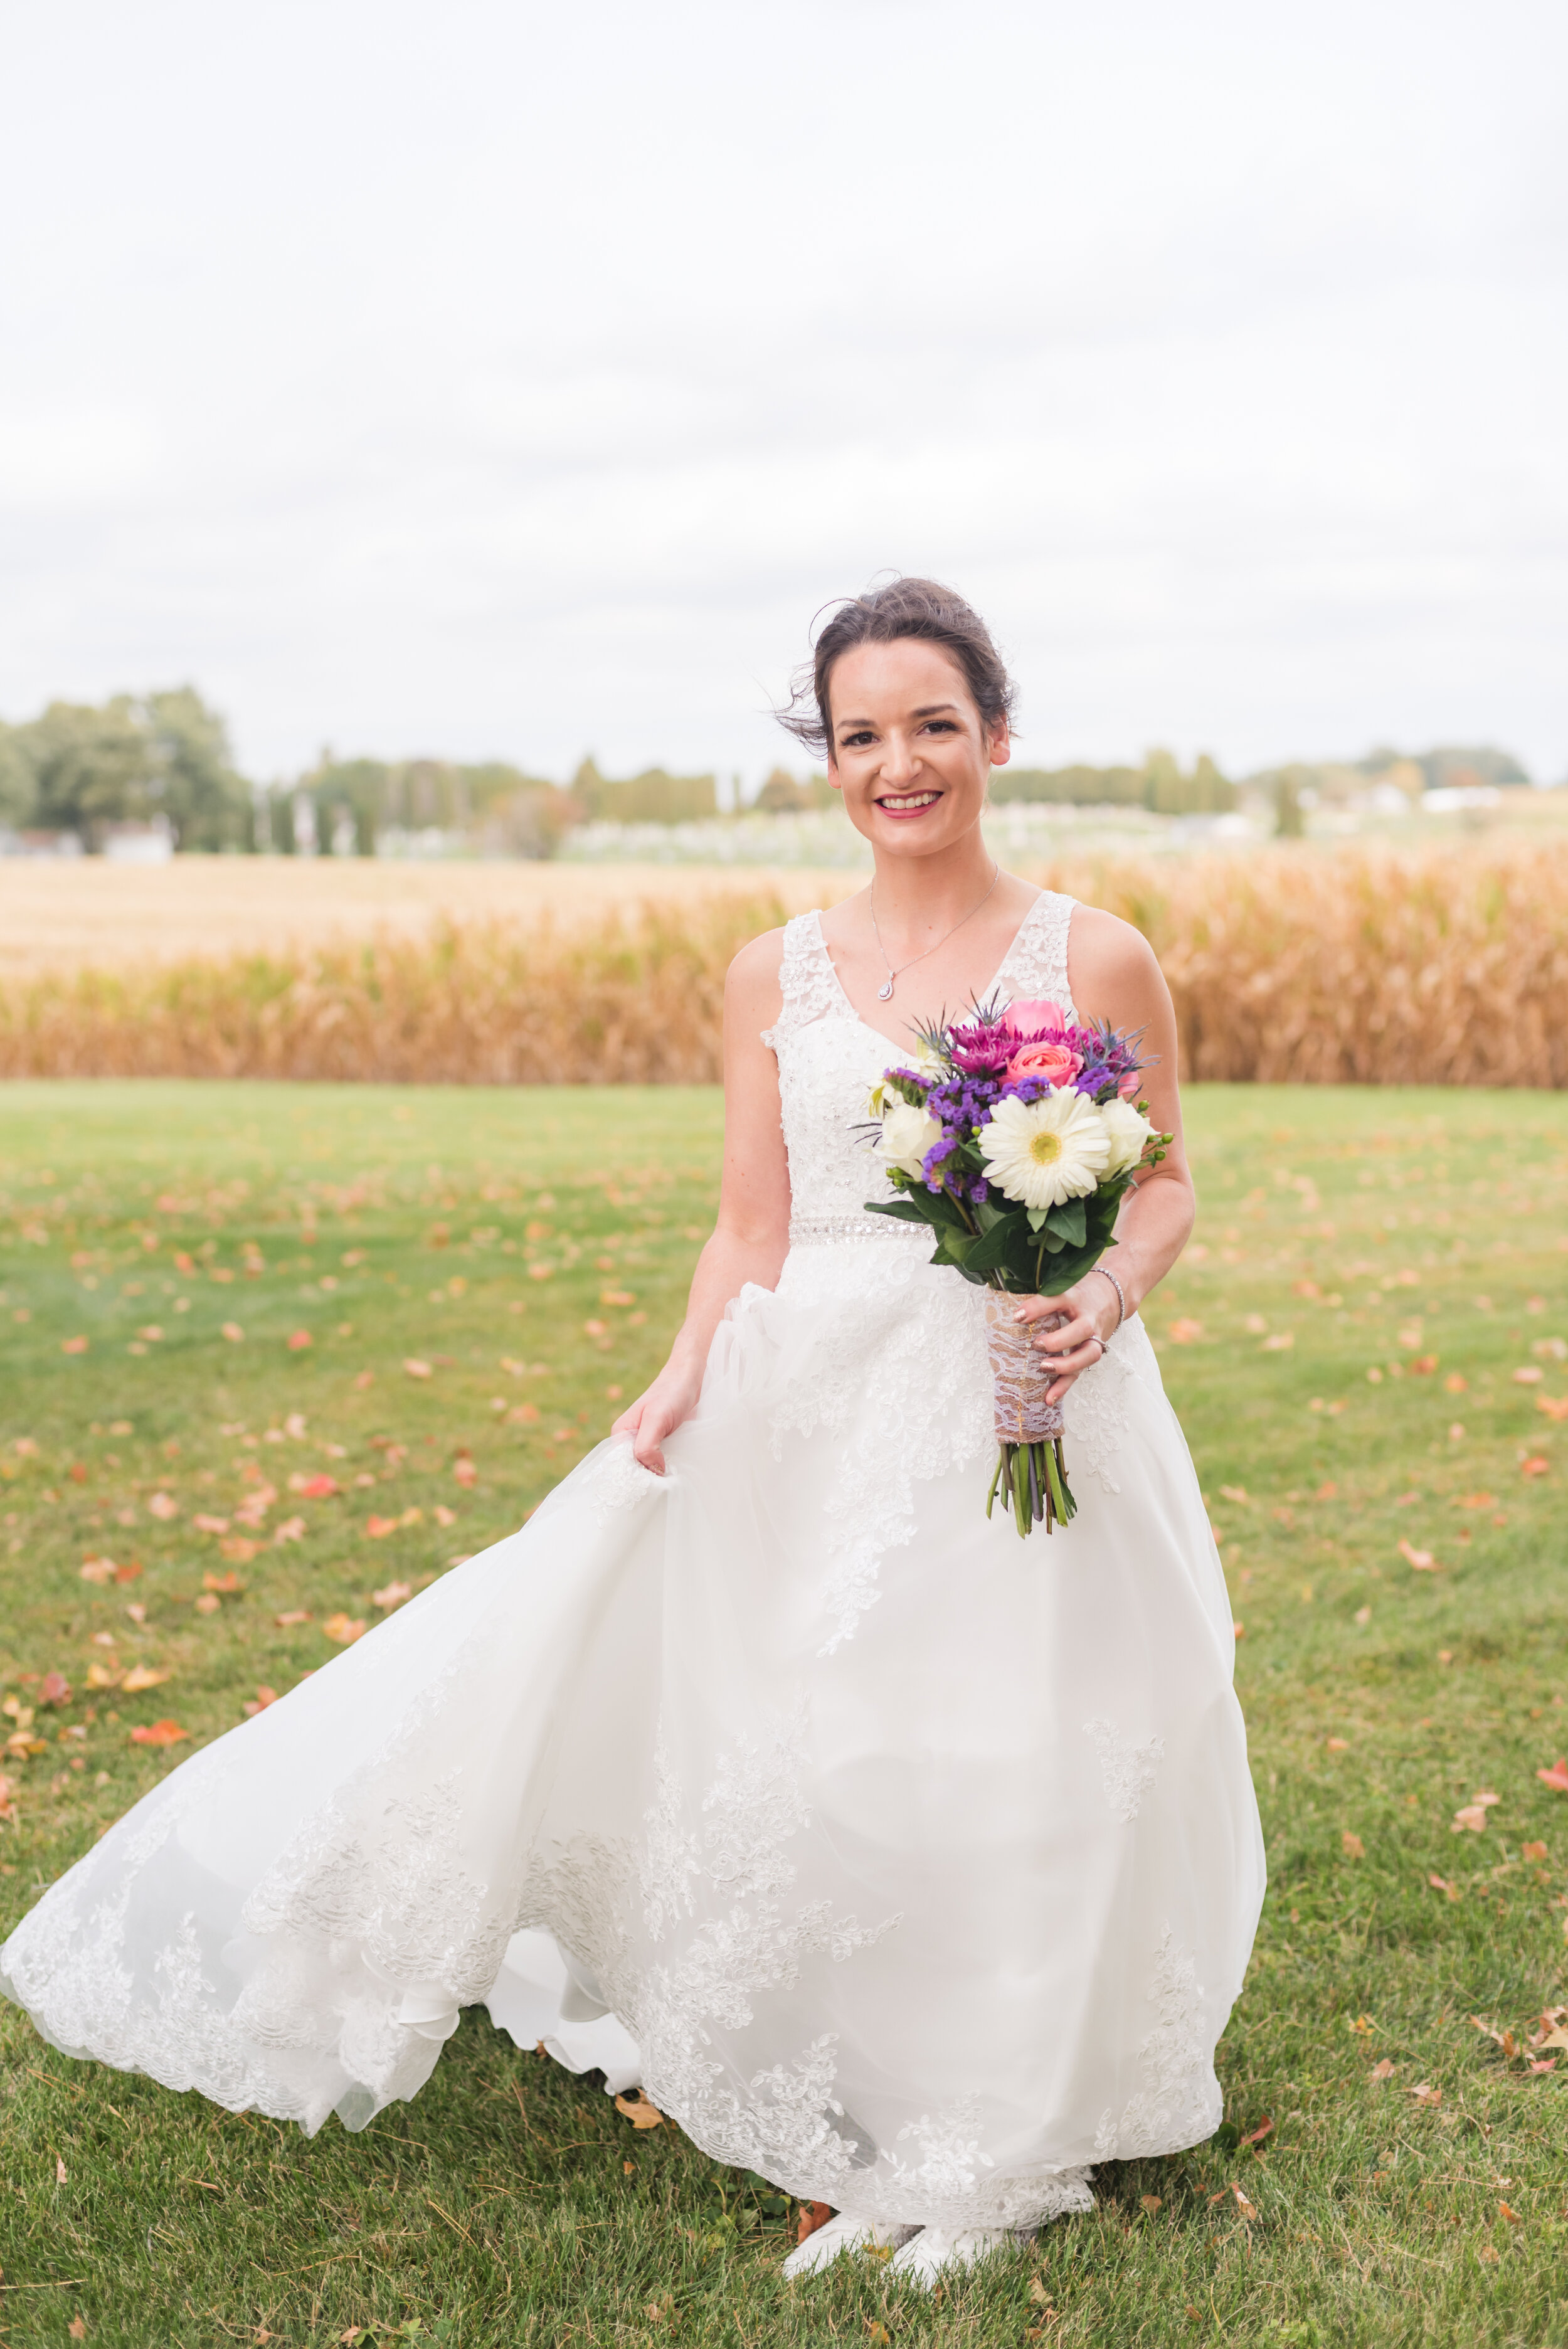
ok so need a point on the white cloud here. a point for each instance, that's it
(508, 380)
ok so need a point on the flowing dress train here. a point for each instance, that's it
(909, 1864)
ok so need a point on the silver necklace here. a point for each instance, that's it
(885, 990)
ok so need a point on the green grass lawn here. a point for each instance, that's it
(1360, 1342)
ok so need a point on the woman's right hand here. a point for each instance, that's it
(658, 1412)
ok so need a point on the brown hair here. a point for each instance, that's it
(905, 607)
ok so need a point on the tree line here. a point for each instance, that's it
(84, 768)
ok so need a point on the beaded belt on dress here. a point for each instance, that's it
(821, 1231)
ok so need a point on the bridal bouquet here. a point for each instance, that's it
(1015, 1135)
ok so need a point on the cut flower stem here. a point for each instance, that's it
(1035, 1478)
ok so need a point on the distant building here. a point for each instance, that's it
(40, 843)
(139, 844)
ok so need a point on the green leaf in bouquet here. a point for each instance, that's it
(1005, 1239)
(1067, 1268)
(1066, 1221)
(904, 1211)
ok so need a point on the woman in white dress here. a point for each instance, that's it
(911, 1865)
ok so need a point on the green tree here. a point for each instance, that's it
(18, 784)
(1290, 820)
(195, 783)
(93, 767)
(651, 797)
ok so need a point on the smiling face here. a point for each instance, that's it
(908, 748)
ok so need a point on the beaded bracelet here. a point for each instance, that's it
(1121, 1292)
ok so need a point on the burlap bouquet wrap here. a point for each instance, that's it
(1020, 1376)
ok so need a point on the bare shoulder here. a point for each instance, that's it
(1113, 967)
(752, 982)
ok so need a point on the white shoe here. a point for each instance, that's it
(934, 2250)
(844, 2234)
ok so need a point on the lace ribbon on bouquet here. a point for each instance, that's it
(1020, 1376)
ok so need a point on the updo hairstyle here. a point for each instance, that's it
(905, 607)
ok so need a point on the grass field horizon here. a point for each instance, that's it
(210, 1287)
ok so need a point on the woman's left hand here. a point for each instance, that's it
(1093, 1312)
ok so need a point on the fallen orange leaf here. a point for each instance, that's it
(162, 1504)
(1556, 1778)
(258, 1704)
(234, 1334)
(1352, 1845)
(320, 1487)
(1425, 2093)
(160, 1733)
(343, 1629)
(1533, 1851)
(295, 1615)
(1536, 1467)
(1421, 1559)
(1383, 2070)
(73, 1345)
(291, 1529)
(378, 1527)
(227, 1583)
(299, 1339)
(416, 1369)
(142, 1676)
(210, 1525)
(639, 2111)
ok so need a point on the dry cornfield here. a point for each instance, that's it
(1370, 968)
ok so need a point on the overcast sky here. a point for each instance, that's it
(506, 380)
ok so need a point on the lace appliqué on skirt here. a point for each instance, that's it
(1127, 1770)
(1179, 2103)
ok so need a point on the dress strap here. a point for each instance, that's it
(1035, 970)
(807, 980)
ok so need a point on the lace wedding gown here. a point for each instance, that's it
(909, 1864)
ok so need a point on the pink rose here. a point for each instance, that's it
(1055, 1063)
(1130, 1086)
(1037, 1019)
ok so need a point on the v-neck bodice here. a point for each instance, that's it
(829, 1058)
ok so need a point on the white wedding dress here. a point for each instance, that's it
(910, 1864)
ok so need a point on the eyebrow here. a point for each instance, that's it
(927, 710)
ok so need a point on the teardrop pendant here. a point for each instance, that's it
(884, 991)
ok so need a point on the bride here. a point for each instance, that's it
(911, 1865)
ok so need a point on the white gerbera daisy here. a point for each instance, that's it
(1044, 1151)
